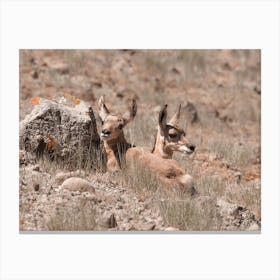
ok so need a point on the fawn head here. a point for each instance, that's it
(112, 125)
(173, 136)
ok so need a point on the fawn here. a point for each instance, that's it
(118, 150)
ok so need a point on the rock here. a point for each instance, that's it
(111, 221)
(36, 168)
(60, 177)
(35, 75)
(254, 227)
(78, 184)
(235, 217)
(143, 226)
(67, 134)
(107, 220)
(171, 229)
(22, 157)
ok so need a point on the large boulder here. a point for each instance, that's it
(63, 131)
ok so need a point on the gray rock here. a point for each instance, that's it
(107, 220)
(66, 134)
(171, 229)
(78, 184)
(111, 221)
(236, 217)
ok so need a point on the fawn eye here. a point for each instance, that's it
(172, 135)
(120, 126)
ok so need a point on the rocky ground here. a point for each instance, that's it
(220, 95)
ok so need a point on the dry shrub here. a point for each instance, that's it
(73, 218)
(211, 185)
(232, 152)
(191, 214)
(248, 195)
(89, 159)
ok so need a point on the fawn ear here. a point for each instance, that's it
(102, 109)
(162, 119)
(175, 119)
(131, 113)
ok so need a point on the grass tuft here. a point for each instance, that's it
(73, 218)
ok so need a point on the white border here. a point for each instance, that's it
(157, 24)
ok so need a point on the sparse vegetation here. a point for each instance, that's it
(73, 218)
(223, 85)
(191, 214)
(234, 153)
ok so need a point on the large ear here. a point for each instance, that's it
(131, 113)
(102, 109)
(175, 119)
(162, 119)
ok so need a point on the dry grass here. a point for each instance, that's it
(234, 153)
(73, 218)
(248, 196)
(187, 69)
(90, 160)
(198, 213)
(191, 214)
(179, 209)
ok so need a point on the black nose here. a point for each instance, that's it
(105, 131)
(192, 148)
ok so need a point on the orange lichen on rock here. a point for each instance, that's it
(35, 100)
(68, 96)
(72, 98)
(51, 143)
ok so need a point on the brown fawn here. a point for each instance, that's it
(170, 136)
(118, 150)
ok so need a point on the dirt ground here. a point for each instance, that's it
(220, 94)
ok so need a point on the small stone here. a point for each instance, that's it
(111, 221)
(36, 168)
(22, 157)
(35, 75)
(254, 227)
(171, 229)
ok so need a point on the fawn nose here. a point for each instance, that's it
(106, 132)
(192, 148)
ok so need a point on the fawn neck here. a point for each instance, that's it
(160, 148)
(116, 148)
